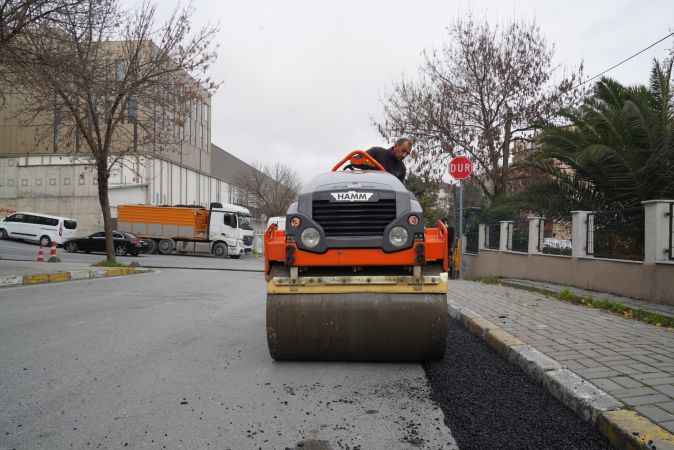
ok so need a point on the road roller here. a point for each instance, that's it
(355, 275)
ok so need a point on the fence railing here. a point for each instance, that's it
(518, 236)
(492, 236)
(473, 239)
(670, 249)
(610, 234)
(617, 234)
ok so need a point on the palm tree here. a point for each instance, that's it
(616, 151)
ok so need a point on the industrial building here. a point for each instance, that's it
(55, 178)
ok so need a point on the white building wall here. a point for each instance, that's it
(67, 186)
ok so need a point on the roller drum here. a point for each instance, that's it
(357, 327)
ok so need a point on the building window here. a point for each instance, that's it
(66, 181)
(12, 163)
(120, 70)
(81, 180)
(95, 181)
(38, 182)
(52, 182)
(24, 182)
(10, 182)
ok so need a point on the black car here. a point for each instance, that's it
(125, 244)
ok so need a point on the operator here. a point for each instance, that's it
(392, 158)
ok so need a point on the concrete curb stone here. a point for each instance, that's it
(80, 274)
(624, 428)
(11, 280)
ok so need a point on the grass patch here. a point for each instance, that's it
(589, 301)
(106, 263)
(487, 280)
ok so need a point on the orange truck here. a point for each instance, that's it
(226, 229)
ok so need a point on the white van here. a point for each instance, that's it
(34, 227)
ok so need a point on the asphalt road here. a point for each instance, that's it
(178, 360)
(27, 252)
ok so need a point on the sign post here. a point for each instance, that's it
(460, 168)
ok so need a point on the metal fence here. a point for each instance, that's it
(670, 249)
(616, 234)
(473, 238)
(492, 236)
(518, 236)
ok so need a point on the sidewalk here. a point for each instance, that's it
(16, 273)
(630, 360)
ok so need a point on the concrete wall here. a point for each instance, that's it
(650, 282)
(61, 185)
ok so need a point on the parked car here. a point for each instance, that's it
(125, 244)
(36, 227)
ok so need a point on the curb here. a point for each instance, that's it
(73, 275)
(624, 428)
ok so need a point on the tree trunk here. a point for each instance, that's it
(505, 151)
(104, 200)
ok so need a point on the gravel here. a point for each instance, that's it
(489, 403)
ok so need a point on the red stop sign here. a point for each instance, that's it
(460, 168)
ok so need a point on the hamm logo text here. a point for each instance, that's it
(351, 196)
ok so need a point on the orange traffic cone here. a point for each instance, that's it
(52, 254)
(40, 255)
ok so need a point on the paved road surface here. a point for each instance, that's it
(25, 251)
(178, 360)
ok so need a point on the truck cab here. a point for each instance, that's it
(231, 224)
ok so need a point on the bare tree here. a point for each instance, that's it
(274, 187)
(17, 15)
(114, 82)
(478, 96)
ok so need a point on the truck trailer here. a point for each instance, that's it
(226, 230)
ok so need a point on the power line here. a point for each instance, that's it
(624, 60)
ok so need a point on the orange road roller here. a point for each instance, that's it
(355, 275)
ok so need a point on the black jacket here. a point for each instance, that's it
(386, 158)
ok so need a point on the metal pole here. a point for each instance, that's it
(460, 209)
(461, 228)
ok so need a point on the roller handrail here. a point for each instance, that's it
(358, 154)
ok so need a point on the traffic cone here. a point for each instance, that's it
(52, 254)
(40, 255)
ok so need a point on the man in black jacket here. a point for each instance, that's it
(392, 158)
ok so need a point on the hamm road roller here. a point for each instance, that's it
(355, 275)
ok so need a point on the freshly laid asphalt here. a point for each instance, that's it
(491, 404)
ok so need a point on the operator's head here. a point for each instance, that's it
(402, 148)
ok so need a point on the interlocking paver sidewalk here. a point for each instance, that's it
(631, 360)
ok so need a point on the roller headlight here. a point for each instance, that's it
(310, 237)
(397, 236)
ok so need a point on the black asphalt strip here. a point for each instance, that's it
(492, 404)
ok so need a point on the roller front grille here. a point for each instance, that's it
(354, 218)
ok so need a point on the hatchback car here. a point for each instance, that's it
(125, 244)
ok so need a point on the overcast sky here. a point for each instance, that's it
(303, 79)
